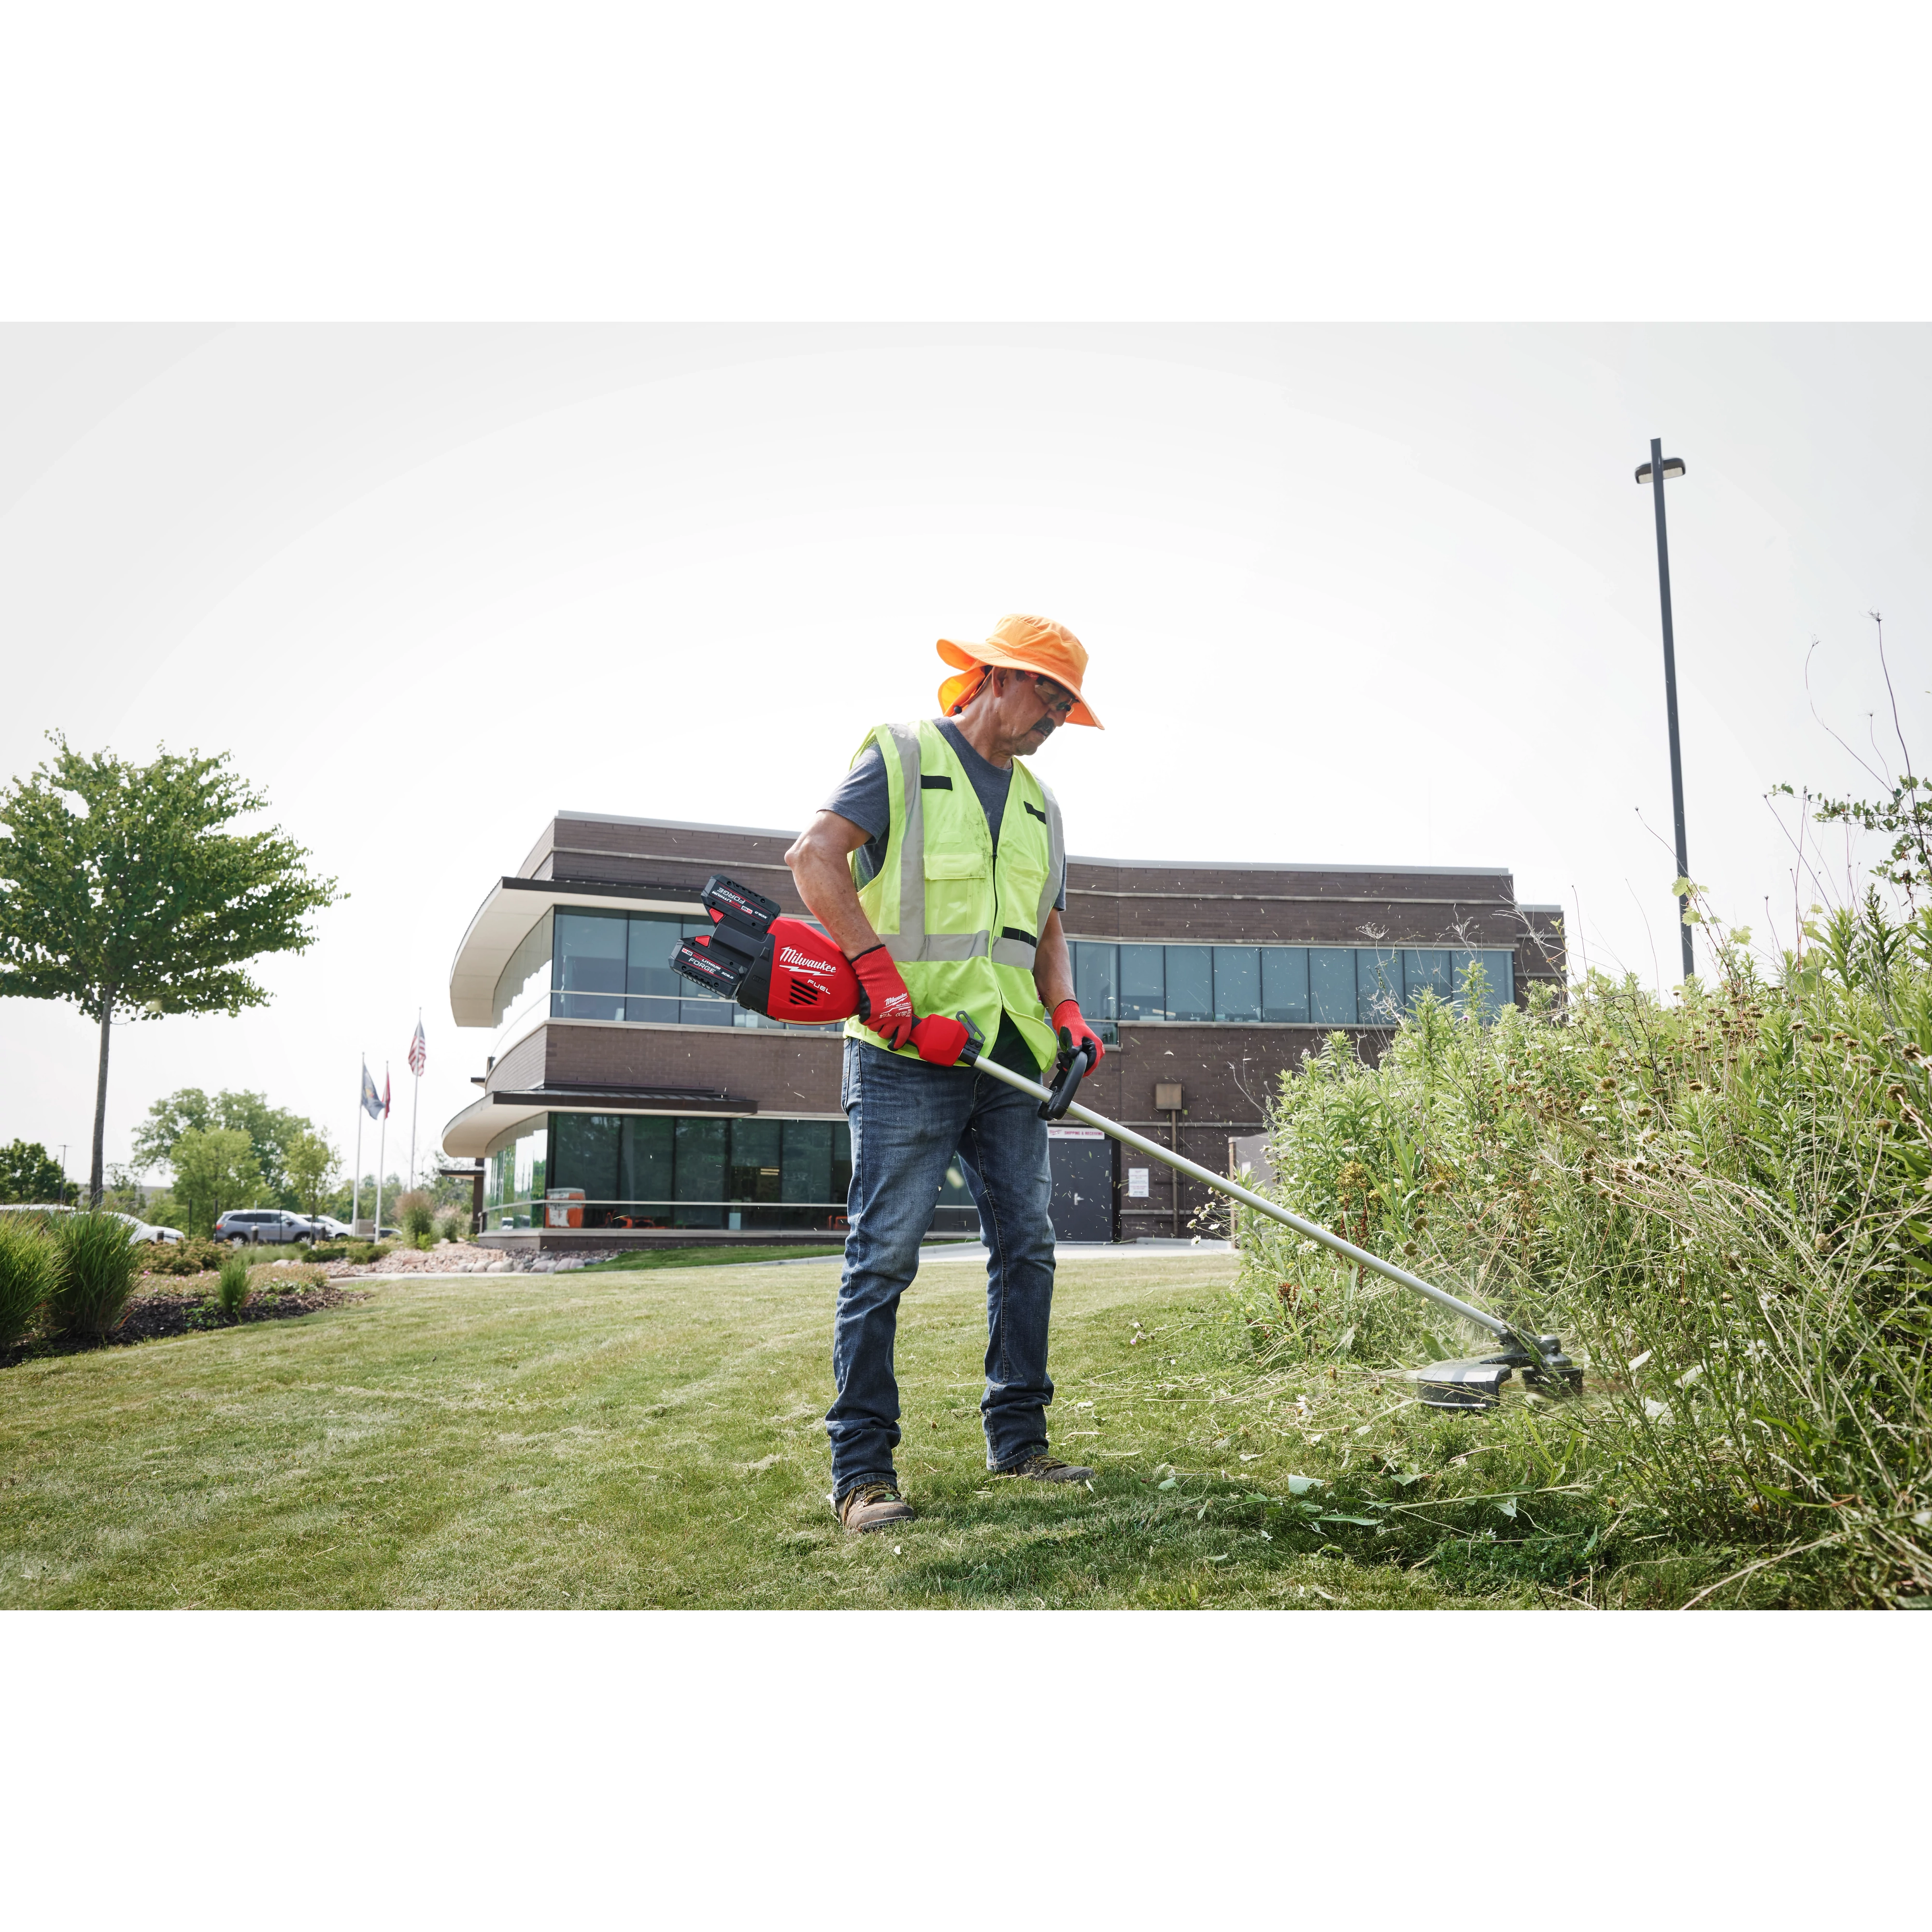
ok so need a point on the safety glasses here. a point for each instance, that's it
(1058, 700)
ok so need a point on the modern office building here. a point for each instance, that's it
(619, 1106)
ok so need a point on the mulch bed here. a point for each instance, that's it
(158, 1311)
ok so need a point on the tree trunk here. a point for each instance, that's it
(94, 1181)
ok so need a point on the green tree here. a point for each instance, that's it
(164, 1209)
(214, 1171)
(272, 1132)
(313, 1165)
(28, 1172)
(123, 1189)
(122, 890)
(186, 1109)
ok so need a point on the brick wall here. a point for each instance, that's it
(785, 1073)
(583, 848)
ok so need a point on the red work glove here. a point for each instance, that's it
(885, 1005)
(1074, 1033)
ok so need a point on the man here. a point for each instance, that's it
(940, 868)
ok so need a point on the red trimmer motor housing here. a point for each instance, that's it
(766, 960)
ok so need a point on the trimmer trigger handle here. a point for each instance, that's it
(976, 1042)
(1069, 1070)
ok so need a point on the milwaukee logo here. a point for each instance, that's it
(799, 963)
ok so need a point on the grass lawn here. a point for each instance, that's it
(650, 1438)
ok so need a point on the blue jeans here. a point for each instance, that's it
(909, 1120)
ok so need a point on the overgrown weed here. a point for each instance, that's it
(1723, 1202)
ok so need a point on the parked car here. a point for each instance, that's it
(256, 1225)
(143, 1230)
(147, 1231)
(327, 1228)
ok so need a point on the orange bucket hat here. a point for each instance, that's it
(1020, 643)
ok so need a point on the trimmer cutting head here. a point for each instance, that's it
(1476, 1382)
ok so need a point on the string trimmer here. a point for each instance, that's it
(772, 964)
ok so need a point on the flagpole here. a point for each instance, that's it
(381, 1141)
(416, 1099)
(355, 1183)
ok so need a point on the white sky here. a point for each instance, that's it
(1352, 593)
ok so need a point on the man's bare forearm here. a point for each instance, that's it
(819, 858)
(1052, 964)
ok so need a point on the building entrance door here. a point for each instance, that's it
(1083, 1183)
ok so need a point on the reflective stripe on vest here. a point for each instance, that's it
(945, 899)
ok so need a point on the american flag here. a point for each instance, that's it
(418, 1051)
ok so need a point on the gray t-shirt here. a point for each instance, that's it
(863, 797)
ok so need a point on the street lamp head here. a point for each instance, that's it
(1673, 465)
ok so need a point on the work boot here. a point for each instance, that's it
(873, 1506)
(1043, 1468)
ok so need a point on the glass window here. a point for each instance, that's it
(757, 1149)
(1237, 983)
(1377, 984)
(587, 976)
(701, 1172)
(1094, 965)
(1425, 970)
(1190, 982)
(808, 1163)
(1143, 994)
(953, 1191)
(513, 1177)
(1501, 967)
(586, 1153)
(526, 974)
(1331, 984)
(841, 1161)
(1285, 984)
(1499, 977)
(652, 989)
(645, 1175)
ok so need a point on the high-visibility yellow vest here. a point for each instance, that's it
(962, 922)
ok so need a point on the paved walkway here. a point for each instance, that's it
(949, 1251)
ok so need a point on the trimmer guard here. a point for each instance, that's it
(1476, 1382)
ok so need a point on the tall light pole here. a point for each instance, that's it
(1654, 473)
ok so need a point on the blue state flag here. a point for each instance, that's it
(372, 1101)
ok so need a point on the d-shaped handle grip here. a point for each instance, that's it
(1068, 1073)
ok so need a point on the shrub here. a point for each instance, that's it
(415, 1214)
(193, 1257)
(455, 1226)
(98, 1260)
(232, 1289)
(333, 1251)
(29, 1272)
